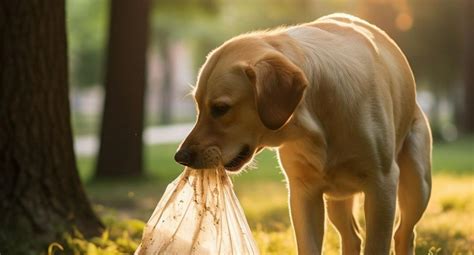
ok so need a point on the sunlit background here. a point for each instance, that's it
(436, 36)
(430, 32)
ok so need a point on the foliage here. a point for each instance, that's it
(120, 237)
(182, 19)
(207, 23)
(436, 60)
(87, 31)
(433, 42)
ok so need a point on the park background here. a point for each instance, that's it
(131, 67)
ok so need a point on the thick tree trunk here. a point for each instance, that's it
(121, 149)
(40, 191)
(468, 118)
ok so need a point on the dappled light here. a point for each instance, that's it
(97, 96)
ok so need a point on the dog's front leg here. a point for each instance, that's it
(307, 216)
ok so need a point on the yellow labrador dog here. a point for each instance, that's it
(337, 98)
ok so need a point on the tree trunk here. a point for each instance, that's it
(166, 94)
(468, 118)
(121, 149)
(41, 195)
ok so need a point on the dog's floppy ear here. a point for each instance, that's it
(278, 87)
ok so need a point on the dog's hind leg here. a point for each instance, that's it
(341, 214)
(379, 210)
(414, 187)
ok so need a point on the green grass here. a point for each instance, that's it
(455, 157)
(448, 158)
(84, 124)
(447, 225)
(159, 164)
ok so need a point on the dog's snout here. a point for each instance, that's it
(184, 157)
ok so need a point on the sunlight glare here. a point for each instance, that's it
(404, 21)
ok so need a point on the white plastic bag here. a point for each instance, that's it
(199, 213)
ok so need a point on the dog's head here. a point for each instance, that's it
(246, 90)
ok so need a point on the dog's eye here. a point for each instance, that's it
(218, 110)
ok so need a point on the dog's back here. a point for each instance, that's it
(362, 86)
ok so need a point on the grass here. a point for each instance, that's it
(447, 228)
(454, 158)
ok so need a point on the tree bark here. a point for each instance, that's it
(120, 152)
(41, 195)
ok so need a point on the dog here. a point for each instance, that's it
(336, 97)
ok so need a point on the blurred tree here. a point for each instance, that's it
(205, 24)
(433, 47)
(174, 20)
(248, 15)
(468, 112)
(235, 17)
(167, 71)
(41, 195)
(121, 144)
(429, 32)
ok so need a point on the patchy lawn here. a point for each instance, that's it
(124, 205)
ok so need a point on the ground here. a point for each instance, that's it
(124, 205)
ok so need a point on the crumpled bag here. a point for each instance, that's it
(199, 213)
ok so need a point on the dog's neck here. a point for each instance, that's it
(301, 128)
(304, 123)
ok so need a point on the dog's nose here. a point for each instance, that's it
(184, 157)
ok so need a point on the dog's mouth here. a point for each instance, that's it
(239, 161)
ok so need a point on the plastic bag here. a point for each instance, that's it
(199, 213)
